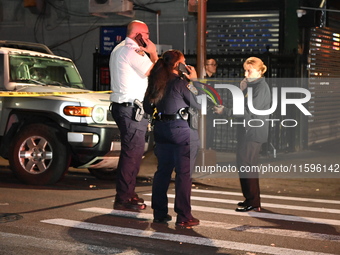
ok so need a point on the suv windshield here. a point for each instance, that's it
(44, 71)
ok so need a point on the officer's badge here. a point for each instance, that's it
(192, 88)
(140, 52)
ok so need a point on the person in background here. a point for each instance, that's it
(210, 68)
(129, 69)
(250, 139)
(176, 141)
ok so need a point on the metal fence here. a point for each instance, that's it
(279, 67)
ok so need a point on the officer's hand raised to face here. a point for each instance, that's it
(192, 73)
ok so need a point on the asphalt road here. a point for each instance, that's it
(75, 216)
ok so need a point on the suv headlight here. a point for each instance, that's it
(98, 114)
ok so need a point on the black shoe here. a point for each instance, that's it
(163, 220)
(189, 223)
(243, 204)
(129, 206)
(137, 199)
(248, 208)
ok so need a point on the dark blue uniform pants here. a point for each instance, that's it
(176, 148)
(132, 135)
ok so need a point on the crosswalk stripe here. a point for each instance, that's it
(51, 245)
(221, 225)
(179, 238)
(314, 200)
(281, 206)
(260, 215)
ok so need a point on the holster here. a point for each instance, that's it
(139, 110)
(190, 114)
(193, 117)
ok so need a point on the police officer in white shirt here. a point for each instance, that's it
(129, 69)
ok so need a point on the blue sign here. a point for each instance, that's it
(110, 36)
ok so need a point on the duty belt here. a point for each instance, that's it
(166, 117)
(126, 104)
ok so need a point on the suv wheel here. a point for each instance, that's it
(38, 155)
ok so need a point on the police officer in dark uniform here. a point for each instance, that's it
(176, 141)
(129, 69)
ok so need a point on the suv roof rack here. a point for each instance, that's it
(39, 47)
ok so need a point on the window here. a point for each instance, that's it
(242, 33)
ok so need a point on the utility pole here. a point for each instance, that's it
(201, 55)
(201, 36)
(205, 157)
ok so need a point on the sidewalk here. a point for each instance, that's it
(307, 183)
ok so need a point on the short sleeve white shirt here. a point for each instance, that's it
(128, 66)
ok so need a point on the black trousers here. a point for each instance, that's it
(132, 134)
(247, 155)
(176, 149)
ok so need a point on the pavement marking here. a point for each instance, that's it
(326, 201)
(273, 216)
(270, 205)
(179, 238)
(244, 228)
(12, 240)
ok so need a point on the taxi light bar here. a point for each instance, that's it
(78, 111)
